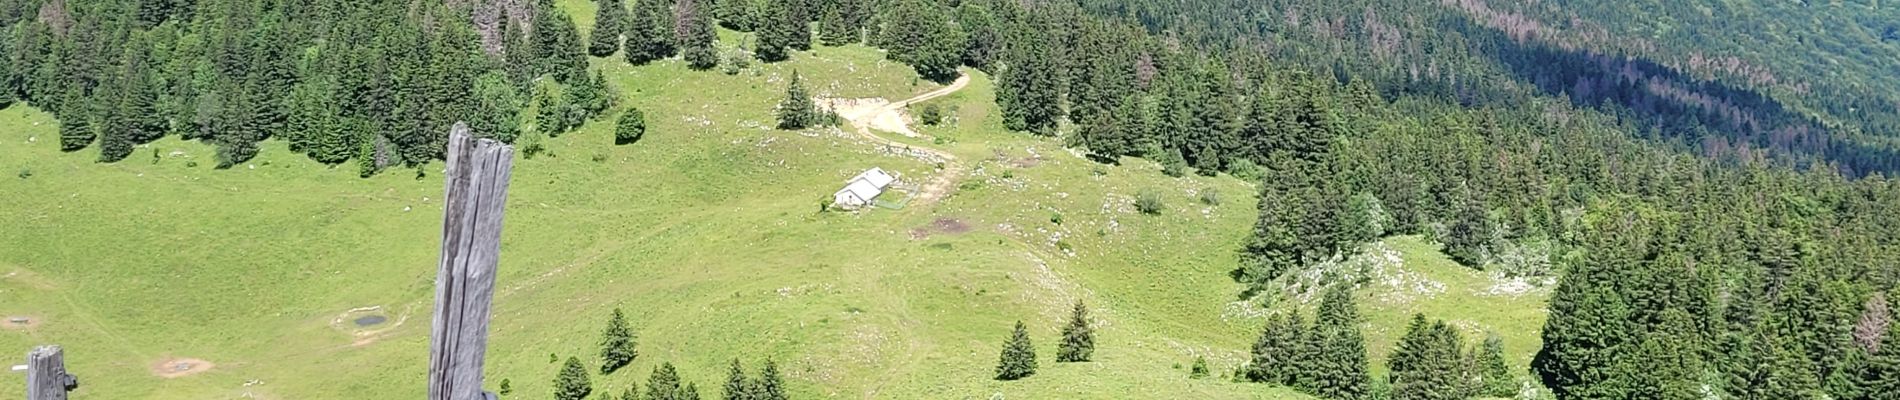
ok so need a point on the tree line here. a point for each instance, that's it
(1763, 275)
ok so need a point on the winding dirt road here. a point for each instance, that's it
(890, 118)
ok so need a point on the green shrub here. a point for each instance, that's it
(631, 127)
(26, 173)
(1246, 170)
(931, 115)
(533, 149)
(1211, 197)
(1149, 202)
(1199, 370)
(1174, 169)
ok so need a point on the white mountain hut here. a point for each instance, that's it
(860, 190)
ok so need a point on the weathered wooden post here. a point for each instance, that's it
(477, 186)
(46, 377)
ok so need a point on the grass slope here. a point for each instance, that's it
(706, 232)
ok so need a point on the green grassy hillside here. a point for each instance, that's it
(707, 232)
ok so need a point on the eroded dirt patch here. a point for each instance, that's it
(172, 367)
(19, 322)
(941, 226)
(368, 324)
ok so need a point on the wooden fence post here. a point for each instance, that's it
(477, 186)
(46, 377)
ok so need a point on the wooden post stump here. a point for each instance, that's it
(46, 377)
(477, 188)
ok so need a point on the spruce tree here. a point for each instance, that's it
(1666, 364)
(737, 386)
(632, 392)
(1496, 375)
(500, 107)
(777, 31)
(690, 393)
(736, 15)
(557, 47)
(649, 32)
(1019, 356)
(135, 118)
(1883, 367)
(572, 383)
(1276, 352)
(550, 115)
(796, 111)
(696, 35)
(1425, 366)
(610, 21)
(664, 384)
(925, 36)
(1588, 321)
(616, 344)
(1027, 91)
(75, 124)
(1342, 366)
(1078, 339)
(769, 387)
(798, 22)
(833, 28)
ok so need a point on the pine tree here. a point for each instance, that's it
(616, 344)
(796, 111)
(1078, 339)
(664, 384)
(610, 21)
(631, 126)
(777, 31)
(696, 35)
(1019, 356)
(572, 383)
(769, 387)
(1342, 366)
(737, 386)
(649, 32)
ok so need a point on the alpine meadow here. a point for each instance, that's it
(949, 199)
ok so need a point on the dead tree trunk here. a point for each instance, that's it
(477, 186)
(46, 377)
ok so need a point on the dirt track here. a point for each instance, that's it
(889, 117)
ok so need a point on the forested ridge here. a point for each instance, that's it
(1709, 236)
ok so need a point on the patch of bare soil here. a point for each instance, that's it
(943, 225)
(171, 367)
(19, 322)
(368, 324)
